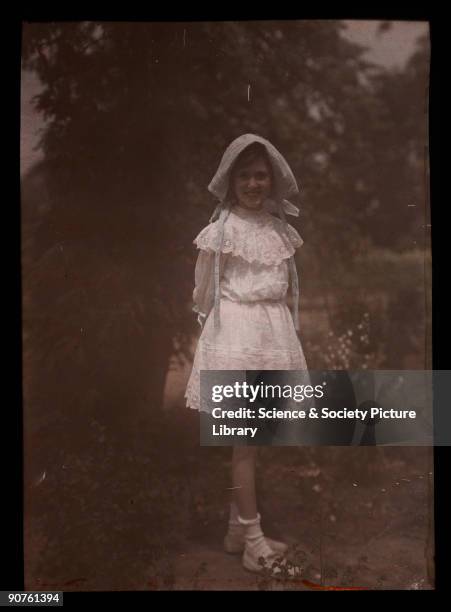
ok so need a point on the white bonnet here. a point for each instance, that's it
(285, 185)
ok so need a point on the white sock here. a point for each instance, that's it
(254, 538)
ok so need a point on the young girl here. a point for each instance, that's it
(242, 276)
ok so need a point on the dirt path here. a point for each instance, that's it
(373, 536)
(367, 528)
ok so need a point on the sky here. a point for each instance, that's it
(389, 49)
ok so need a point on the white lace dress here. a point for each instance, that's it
(256, 327)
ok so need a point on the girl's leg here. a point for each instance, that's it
(244, 523)
(243, 480)
(257, 548)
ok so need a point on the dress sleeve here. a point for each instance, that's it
(204, 289)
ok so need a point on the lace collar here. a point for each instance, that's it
(256, 236)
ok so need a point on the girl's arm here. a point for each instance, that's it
(204, 290)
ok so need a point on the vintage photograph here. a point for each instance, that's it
(219, 195)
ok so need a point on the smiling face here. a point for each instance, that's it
(252, 182)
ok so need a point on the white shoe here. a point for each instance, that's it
(234, 543)
(274, 565)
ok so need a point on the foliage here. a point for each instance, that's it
(138, 114)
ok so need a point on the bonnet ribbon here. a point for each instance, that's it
(293, 272)
(223, 214)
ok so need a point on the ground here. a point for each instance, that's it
(354, 517)
(149, 511)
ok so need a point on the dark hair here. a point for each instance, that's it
(251, 153)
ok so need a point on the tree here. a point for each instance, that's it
(139, 114)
